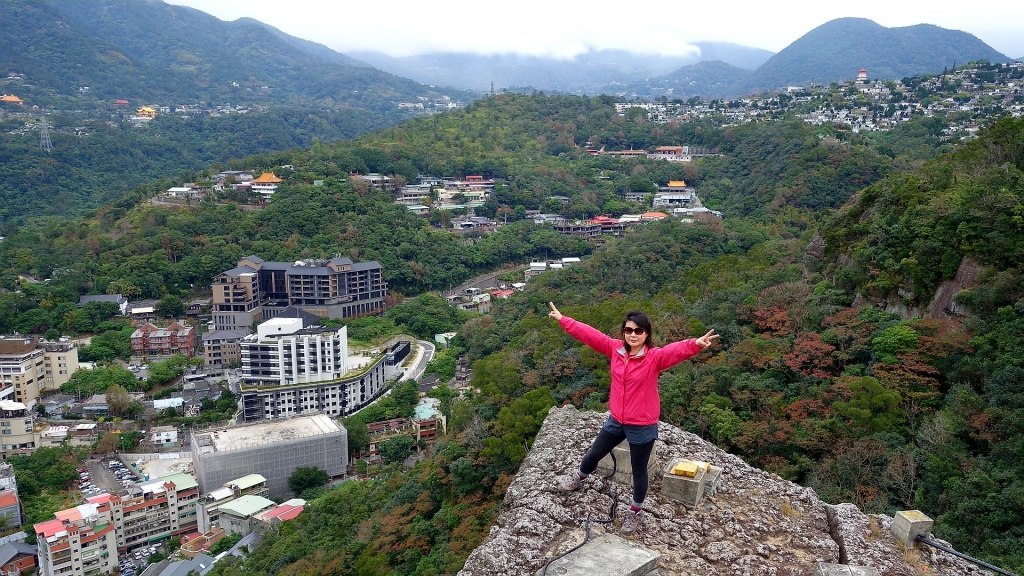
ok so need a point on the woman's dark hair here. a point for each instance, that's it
(642, 321)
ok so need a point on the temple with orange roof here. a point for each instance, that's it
(11, 99)
(266, 185)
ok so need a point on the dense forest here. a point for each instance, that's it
(91, 167)
(823, 374)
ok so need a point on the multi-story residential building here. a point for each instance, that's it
(335, 288)
(17, 435)
(272, 449)
(208, 508)
(10, 508)
(79, 540)
(221, 349)
(340, 397)
(30, 365)
(152, 510)
(150, 340)
(283, 352)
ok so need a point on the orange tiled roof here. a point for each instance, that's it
(654, 215)
(677, 183)
(11, 99)
(267, 178)
(8, 498)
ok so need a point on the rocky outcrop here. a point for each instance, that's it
(943, 305)
(755, 523)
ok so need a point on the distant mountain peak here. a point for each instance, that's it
(837, 49)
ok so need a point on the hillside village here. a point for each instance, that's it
(967, 97)
(163, 496)
(19, 100)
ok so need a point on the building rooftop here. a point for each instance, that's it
(181, 480)
(247, 481)
(284, 511)
(18, 344)
(8, 498)
(240, 437)
(221, 494)
(247, 505)
(224, 335)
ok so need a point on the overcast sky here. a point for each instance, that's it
(565, 28)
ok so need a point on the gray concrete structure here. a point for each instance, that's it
(824, 569)
(272, 449)
(622, 465)
(909, 524)
(685, 490)
(606, 555)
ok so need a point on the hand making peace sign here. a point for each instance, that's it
(705, 340)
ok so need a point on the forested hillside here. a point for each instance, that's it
(69, 61)
(152, 51)
(86, 170)
(812, 379)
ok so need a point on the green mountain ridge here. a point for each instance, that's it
(929, 412)
(836, 50)
(256, 57)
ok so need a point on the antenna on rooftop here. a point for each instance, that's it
(44, 136)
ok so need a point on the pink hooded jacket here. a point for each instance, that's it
(634, 395)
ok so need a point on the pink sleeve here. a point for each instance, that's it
(590, 336)
(676, 352)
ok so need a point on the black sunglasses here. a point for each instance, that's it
(638, 331)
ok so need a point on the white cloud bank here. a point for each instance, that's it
(563, 29)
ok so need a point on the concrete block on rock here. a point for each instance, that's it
(909, 524)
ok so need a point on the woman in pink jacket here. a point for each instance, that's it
(633, 401)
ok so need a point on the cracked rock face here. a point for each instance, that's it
(754, 523)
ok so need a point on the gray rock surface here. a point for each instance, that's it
(754, 523)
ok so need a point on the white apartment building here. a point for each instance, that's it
(283, 353)
(17, 435)
(30, 365)
(79, 541)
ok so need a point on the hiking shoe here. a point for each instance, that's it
(630, 522)
(570, 483)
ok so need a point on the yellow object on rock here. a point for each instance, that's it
(688, 469)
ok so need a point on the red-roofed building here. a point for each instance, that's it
(121, 102)
(150, 340)
(652, 216)
(17, 558)
(609, 225)
(10, 507)
(79, 540)
(281, 513)
(503, 294)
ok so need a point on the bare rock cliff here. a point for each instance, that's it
(753, 523)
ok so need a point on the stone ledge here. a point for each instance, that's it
(605, 555)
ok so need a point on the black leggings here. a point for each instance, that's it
(639, 455)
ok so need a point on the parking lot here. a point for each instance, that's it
(103, 478)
